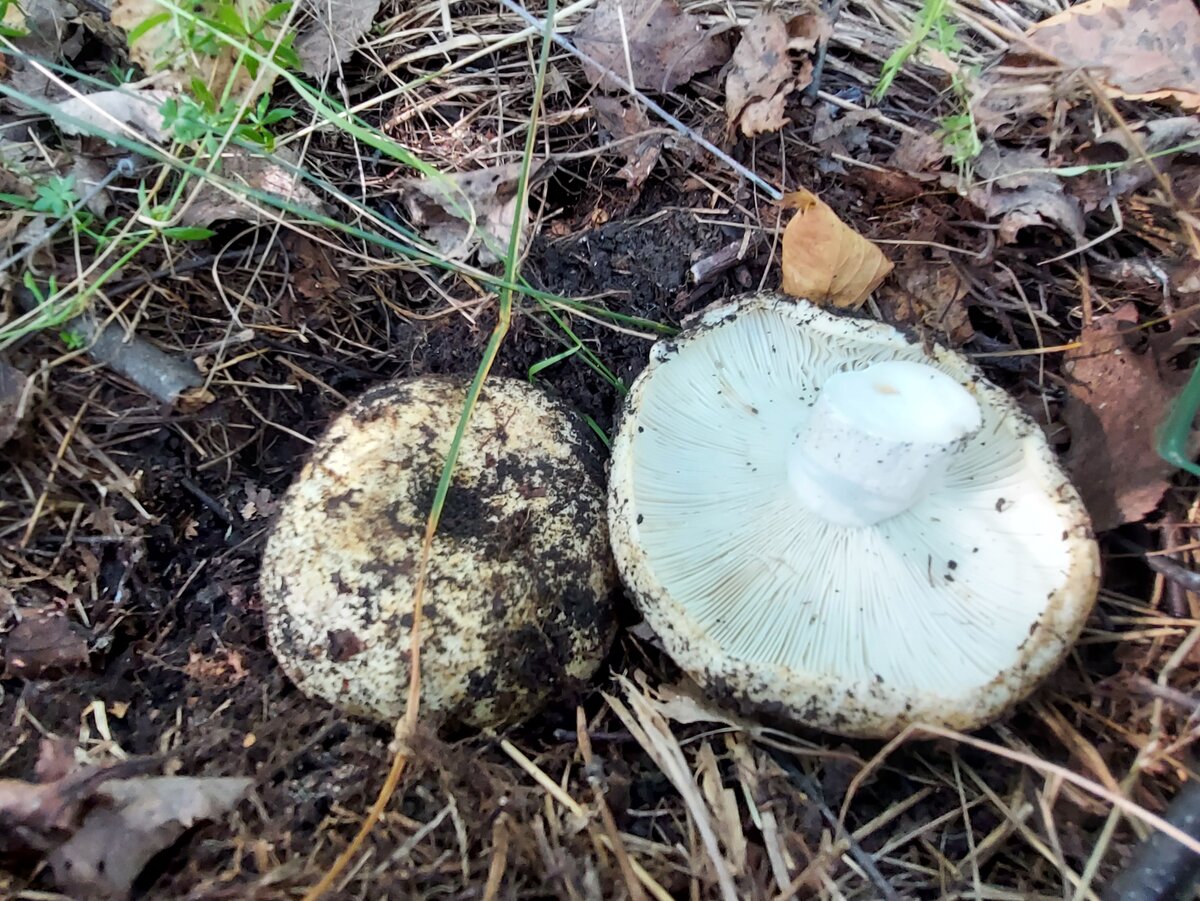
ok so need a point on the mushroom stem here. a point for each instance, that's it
(878, 439)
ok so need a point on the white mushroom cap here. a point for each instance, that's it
(732, 502)
(518, 598)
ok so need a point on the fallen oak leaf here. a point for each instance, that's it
(666, 46)
(1116, 398)
(240, 166)
(133, 820)
(826, 261)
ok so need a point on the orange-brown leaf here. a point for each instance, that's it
(826, 261)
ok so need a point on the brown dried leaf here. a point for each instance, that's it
(243, 167)
(826, 261)
(760, 77)
(45, 641)
(667, 46)
(12, 392)
(761, 74)
(1116, 398)
(442, 208)
(334, 32)
(929, 294)
(1148, 49)
(137, 819)
(161, 48)
(1014, 187)
(618, 120)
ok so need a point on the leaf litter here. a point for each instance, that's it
(626, 121)
(164, 43)
(761, 74)
(1146, 49)
(467, 213)
(99, 825)
(333, 34)
(666, 46)
(1116, 399)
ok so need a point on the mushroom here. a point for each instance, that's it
(826, 522)
(519, 589)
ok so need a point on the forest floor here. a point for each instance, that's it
(1041, 215)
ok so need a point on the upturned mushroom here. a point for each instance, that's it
(823, 521)
(519, 590)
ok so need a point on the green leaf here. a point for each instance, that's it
(188, 233)
(550, 361)
(153, 22)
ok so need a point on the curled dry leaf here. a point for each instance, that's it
(1146, 49)
(133, 820)
(1016, 187)
(761, 74)
(163, 47)
(826, 261)
(619, 119)
(666, 46)
(336, 28)
(1116, 398)
(467, 212)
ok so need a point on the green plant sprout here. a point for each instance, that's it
(1175, 434)
(934, 28)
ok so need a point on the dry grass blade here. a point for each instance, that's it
(654, 734)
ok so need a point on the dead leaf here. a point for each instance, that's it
(44, 642)
(225, 667)
(1147, 49)
(1015, 187)
(826, 261)
(162, 49)
(258, 172)
(259, 502)
(667, 46)
(134, 820)
(52, 35)
(1164, 139)
(442, 208)
(12, 393)
(929, 294)
(761, 74)
(333, 34)
(1116, 398)
(760, 77)
(37, 814)
(618, 119)
(106, 111)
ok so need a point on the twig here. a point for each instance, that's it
(832, 11)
